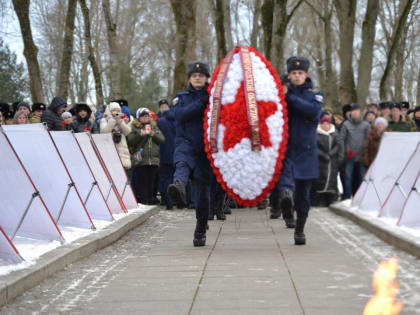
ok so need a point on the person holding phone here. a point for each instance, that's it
(143, 143)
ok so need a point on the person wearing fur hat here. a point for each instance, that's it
(84, 122)
(385, 109)
(300, 166)
(143, 143)
(113, 122)
(398, 121)
(190, 158)
(52, 115)
(325, 187)
(37, 111)
(370, 149)
(20, 118)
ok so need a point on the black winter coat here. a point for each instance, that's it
(328, 161)
(53, 120)
(84, 124)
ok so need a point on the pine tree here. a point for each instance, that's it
(13, 81)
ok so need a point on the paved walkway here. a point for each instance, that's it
(250, 266)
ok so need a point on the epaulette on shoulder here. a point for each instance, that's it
(315, 90)
(182, 93)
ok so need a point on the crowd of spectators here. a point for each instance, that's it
(348, 144)
(145, 141)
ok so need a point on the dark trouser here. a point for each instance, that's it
(354, 172)
(301, 189)
(217, 196)
(145, 181)
(166, 177)
(202, 207)
(302, 198)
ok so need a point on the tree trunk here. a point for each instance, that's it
(184, 12)
(255, 27)
(280, 21)
(346, 11)
(228, 25)
(64, 72)
(115, 73)
(219, 26)
(399, 66)
(331, 91)
(396, 34)
(91, 54)
(366, 53)
(418, 89)
(267, 24)
(30, 50)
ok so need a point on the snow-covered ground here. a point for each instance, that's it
(389, 223)
(31, 249)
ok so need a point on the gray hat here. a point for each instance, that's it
(23, 104)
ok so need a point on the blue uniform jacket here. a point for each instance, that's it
(189, 141)
(304, 106)
(166, 124)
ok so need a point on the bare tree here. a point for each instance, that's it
(418, 89)
(346, 13)
(255, 27)
(396, 34)
(30, 50)
(366, 54)
(281, 20)
(217, 8)
(91, 54)
(115, 72)
(267, 24)
(64, 72)
(184, 13)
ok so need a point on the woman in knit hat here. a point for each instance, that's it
(373, 140)
(325, 188)
(113, 122)
(143, 142)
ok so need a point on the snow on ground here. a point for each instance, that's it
(389, 223)
(31, 249)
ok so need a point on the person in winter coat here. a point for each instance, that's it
(52, 115)
(113, 122)
(371, 146)
(166, 124)
(143, 143)
(325, 188)
(21, 117)
(84, 122)
(37, 111)
(300, 166)
(416, 118)
(23, 106)
(190, 158)
(352, 138)
(398, 122)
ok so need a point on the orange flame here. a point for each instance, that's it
(383, 303)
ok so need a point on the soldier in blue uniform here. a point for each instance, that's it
(190, 158)
(300, 166)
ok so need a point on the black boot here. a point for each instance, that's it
(220, 215)
(300, 238)
(200, 233)
(211, 214)
(227, 210)
(176, 192)
(275, 209)
(286, 205)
